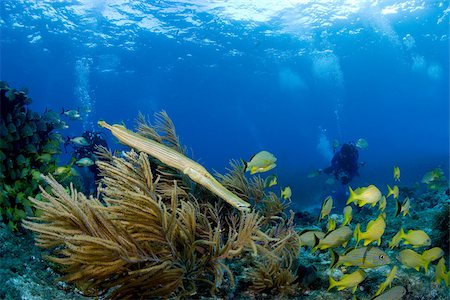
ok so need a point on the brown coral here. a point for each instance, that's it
(152, 234)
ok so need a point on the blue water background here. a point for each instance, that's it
(234, 86)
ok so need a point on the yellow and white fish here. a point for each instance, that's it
(382, 204)
(393, 191)
(365, 195)
(396, 293)
(441, 273)
(348, 281)
(327, 205)
(388, 281)
(286, 193)
(308, 237)
(362, 144)
(404, 207)
(431, 255)
(347, 215)
(84, 162)
(270, 181)
(396, 173)
(374, 231)
(261, 162)
(364, 257)
(331, 224)
(72, 114)
(333, 239)
(433, 175)
(411, 259)
(415, 238)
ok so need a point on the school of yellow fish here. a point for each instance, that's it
(367, 256)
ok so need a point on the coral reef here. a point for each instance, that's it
(28, 147)
(163, 226)
(161, 231)
(441, 226)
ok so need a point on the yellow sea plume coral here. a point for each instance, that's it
(137, 242)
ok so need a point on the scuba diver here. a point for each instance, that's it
(344, 164)
(84, 148)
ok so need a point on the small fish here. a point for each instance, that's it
(72, 114)
(261, 162)
(308, 237)
(433, 175)
(392, 191)
(441, 273)
(84, 162)
(404, 207)
(366, 195)
(348, 215)
(382, 203)
(333, 239)
(286, 193)
(348, 281)
(431, 255)
(396, 173)
(411, 259)
(64, 170)
(415, 238)
(45, 158)
(364, 257)
(374, 231)
(388, 281)
(331, 224)
(314, 173)
(396, 293)
(362, 144)
(78, 141)
(270, 181)
(327, 205)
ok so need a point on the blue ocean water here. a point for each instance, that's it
(237, 77)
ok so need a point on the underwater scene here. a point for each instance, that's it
(224, 149)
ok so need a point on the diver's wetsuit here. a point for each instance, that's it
(344, 165)
(94, 139)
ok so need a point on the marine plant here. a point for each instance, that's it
(160, 230)
(28, 147)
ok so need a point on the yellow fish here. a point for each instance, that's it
(364, 257)
(441, 273)
(396, 173)
(347, 215)
(392, 191)
(374, 231)
(396, 293)
(388, 281)
(286, 193)
(382, 203)
(396, 239)
(415, 238)
(270, 181)
(308, 237)
(404, 207)
(433, 175)
(411, 259)
(431, 255)
(331, 225)
(333, 239)
(261, 162)
(348, 281)
(362, 144)
(366, 195)
(327, 205)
